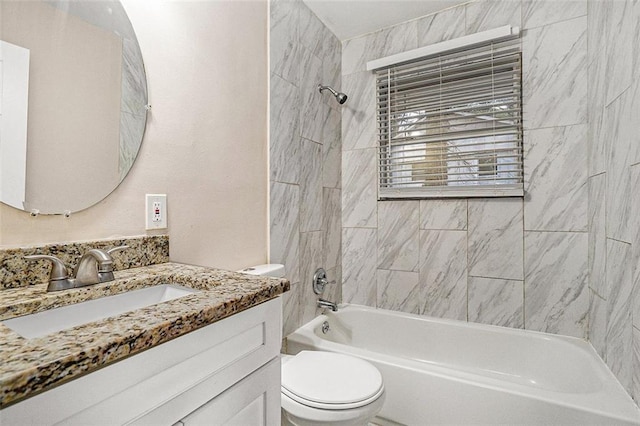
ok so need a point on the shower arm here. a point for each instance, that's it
(340, 97)
(321, 88)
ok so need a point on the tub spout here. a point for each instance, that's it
(326, 304)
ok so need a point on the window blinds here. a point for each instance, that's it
(450, 125)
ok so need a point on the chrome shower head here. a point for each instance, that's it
(340, 97)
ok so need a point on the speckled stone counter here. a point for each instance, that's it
(29, 366)
(16, 271)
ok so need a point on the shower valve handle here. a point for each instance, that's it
(320, 281)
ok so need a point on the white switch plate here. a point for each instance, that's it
(156, 211)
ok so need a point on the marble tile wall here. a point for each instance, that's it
(305, 156)
(493, 261)
(564, 259)
(613, 180)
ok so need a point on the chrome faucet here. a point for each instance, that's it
(326, 304)
(320, 281)
(95, 266)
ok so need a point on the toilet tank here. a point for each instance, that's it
(275, 270)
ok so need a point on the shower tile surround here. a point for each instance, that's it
(564, 259)
(477, 256)
(305, 156)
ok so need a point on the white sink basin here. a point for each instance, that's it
(46, 322)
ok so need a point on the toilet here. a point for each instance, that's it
(324, 388)
(321, 388)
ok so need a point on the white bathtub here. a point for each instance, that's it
(450, 372)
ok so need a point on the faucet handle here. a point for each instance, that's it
(59, 278)
(115, 249)
(58, 270)
(320, 281)
(108, 267)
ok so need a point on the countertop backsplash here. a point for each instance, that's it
(16, 271)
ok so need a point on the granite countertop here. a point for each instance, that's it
(32, 365)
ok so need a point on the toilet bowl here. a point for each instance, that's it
(329, 388)
(325, 388)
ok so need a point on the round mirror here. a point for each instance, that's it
(73, 104)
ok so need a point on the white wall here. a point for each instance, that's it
(205, 143)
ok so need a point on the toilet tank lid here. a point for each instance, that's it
(275, 270)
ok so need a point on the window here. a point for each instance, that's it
(450, 124)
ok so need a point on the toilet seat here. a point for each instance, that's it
(330, 381)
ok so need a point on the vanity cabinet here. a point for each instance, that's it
(254, 401)
(225, 373)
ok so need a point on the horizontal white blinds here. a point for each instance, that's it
(451, 125)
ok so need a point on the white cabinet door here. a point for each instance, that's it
(255, 401)
(165, 383)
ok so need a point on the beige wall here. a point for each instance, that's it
(205, 143)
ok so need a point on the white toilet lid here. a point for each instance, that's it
(330, 380)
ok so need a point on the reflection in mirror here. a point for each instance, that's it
(73, 107)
